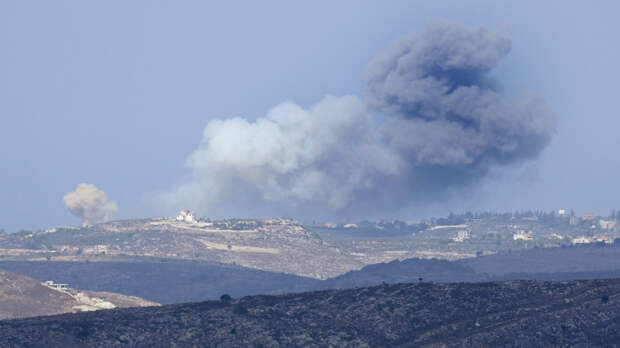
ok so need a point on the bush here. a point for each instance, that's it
(225, 298)
(605, 299)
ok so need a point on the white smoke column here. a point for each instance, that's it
(89, 203)
(292, 156)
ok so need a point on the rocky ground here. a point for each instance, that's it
(511, 314)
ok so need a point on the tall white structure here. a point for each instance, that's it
(461, 236)
(187, 216)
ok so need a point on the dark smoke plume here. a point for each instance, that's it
(448, 126)
(447, 111)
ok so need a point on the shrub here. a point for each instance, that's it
(225, 298)
(605, 299)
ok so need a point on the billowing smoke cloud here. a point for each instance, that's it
(89, 203)
(447, 111)
(447, 126)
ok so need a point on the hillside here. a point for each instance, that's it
(410, 270)
(275, 245)
(511, 314)
(170, 281)
(167, 282)
(582, 258)
(22, 296)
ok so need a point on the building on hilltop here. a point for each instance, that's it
(187, 216)
(521, 235)
(461, 236)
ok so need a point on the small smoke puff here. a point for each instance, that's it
(90, 204)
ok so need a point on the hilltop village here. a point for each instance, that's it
(493, 230)
(286, 245)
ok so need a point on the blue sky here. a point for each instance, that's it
(117, 93)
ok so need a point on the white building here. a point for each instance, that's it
(582, 240)
(187, 216)
(96, 249)
(461, 236)
(521, 235)
(603, 239)
(607, 224)
(56, 286)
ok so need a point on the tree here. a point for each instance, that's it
(225, 298)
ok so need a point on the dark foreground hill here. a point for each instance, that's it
(515, 313)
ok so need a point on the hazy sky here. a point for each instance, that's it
(117, 93)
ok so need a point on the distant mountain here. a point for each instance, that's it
(22, 296)
(515, 313)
